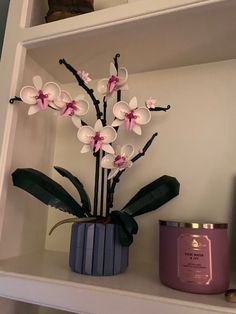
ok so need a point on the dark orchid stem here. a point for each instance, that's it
(12, 100)
(96, 184)
(145, 148)
(118, 95)
(104, 122)
(53, 108)
(116, 61)
(81, 83)
(108, 206)
(116, 128)
(116, 179)
(117, 69)
(109, 196)
(160, 108)
(83, 123)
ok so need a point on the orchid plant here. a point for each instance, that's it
(99, 141)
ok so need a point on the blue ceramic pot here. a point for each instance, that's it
(95, 249)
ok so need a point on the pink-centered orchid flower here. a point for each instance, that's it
(72, 107)
(130, 115)
(84, 75)
(150, 103)
(39, 96)
(97, 138)
(118, 162)
(116, 81)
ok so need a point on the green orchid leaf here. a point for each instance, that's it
(46, 190)
(152, 196)
(127, 226)
(86, 205)
(125, 220)
(125, 239)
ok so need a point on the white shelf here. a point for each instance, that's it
(45, 278)
(150, 35)
(164, 36)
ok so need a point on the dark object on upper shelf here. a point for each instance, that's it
(61, 9)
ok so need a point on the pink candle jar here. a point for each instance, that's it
(193, 257)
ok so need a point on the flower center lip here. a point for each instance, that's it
(130, 115)
(112, 83)
(96, 142)
(42, 100)
(97, 137)
(119, 161)
(41, 95)
(71, 105)
(130, 118)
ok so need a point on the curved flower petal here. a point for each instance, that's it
(80, 97)
(118, 149)
(113, 173)
(33, 109)
(28, 94)
(76, 120)
(117, 122)
(52, 89)
(113, 69)
(120, 109)
(85, 149)
(107, 161)
(137, 129)
(143, 116)
(65, 96)
(108, 148)
(102, 86)
(133, 104)
(85, 133)
(98, 126)
(127, 151)
(123, 76)
(38, 83)
(59, 103)
(82, 107)
(109, 134)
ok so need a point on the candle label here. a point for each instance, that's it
(194, 259)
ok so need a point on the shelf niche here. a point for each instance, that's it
(38, 9)
(195, 144)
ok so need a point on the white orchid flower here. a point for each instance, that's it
(150, 103)
(72, 107)
(118, 162)
(131, 115)
(97, 138)
(116, 81)
(39, 96)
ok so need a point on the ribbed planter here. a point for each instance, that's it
(95, 250)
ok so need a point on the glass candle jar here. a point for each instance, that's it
(194, 257)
